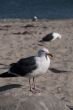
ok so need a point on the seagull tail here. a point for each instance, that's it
(41, 41)
(6, 75)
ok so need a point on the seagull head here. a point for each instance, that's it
(57, 35)
(44, 52)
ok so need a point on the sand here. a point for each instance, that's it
(20, 38)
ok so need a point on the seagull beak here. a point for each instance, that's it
(50, 54)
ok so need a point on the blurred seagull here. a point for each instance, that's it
(32, 66)
(35, 18)
(51, 37)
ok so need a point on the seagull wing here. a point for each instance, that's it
(24, 66)
(48, 37)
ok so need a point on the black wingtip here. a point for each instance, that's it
(6, 75)
(41, 41)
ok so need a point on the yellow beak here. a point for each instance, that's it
(50, 54)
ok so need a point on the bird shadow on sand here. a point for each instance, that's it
(54, 70)
(10, 86)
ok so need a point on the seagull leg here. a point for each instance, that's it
(36, 90)
(33, 83)
(33, 90)
(30, 83)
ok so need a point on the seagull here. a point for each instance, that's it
(51, 37)
(35, 18)
(32, 66)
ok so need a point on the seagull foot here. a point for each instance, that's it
(35, 90)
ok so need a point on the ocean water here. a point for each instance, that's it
(26, 9)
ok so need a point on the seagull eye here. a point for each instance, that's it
(42, 50)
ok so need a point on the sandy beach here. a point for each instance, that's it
(20, 38)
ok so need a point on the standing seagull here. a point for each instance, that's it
(51, 37)
(32, 66)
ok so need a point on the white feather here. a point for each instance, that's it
(56, 35)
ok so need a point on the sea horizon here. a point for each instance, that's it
(43, 9)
